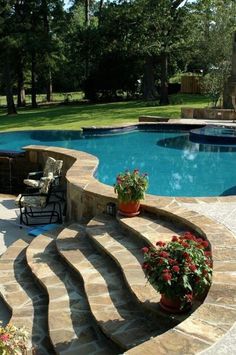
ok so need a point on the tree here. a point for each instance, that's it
(8, 47)
(212, 33)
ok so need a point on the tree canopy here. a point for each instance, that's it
(107, 48)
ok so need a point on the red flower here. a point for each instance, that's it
(185, 255)
(205, 272)
(185, 244)
(164, 254)
(175, 238)
(192, 267)
(189, 236)
(145, 249)
(175, 268)
(172, 261)
(160, 243)
(207, 253)
(145, 266)
(161, 261)
(199, 240)
(4, 337)
(205, 243)
(167, 276)
(165, 270)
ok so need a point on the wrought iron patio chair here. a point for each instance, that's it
(41, 207)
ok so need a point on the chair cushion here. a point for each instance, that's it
(32, 183)
(49, 166)
(31, 201)
(46, 183)
(36, 201)
(58, 167)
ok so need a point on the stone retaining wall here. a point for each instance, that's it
(208, 114)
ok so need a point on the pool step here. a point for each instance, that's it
(109, 299)
(71, 327)
(25, 299)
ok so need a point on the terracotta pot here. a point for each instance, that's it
(173, 305)
(129, 209)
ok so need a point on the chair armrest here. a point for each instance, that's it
(32, 194)
(35, 175)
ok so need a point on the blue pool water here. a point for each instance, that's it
(176, 166)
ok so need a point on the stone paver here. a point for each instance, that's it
(151, 228)
(223, 212)
(110, 303)
(70, 324)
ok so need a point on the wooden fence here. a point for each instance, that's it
(191, 84)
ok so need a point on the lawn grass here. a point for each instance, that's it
(77, 116)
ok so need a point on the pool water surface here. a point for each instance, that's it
(176, 166)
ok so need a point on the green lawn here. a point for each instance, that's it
(75, 117)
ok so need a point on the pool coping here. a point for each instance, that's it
(87, 197)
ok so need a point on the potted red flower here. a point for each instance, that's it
(180, 270)
(131, 188)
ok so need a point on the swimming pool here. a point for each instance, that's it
(176, 166)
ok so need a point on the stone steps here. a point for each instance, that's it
(70, 324)
(26, 301)
(84, 291)
(110, 302)
(108, 237)
(150, 227)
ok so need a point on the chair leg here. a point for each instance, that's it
(60, 213)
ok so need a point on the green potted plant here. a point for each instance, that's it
(180, 270)
(13, 340)
(131, 188)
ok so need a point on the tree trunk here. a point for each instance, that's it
(49, 87)
(20, 86)
(33, 81)
(227, 98)
(149, 91)
(87, 17)
(47, 36)
(87, 23)
(101, 3)
(164, 100)
(11, 109)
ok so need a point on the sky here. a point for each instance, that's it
(66, 3)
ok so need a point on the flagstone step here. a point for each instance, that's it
(110, 302)
(25, 299)
(151, 228)
(71, 326)
(108, 236)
